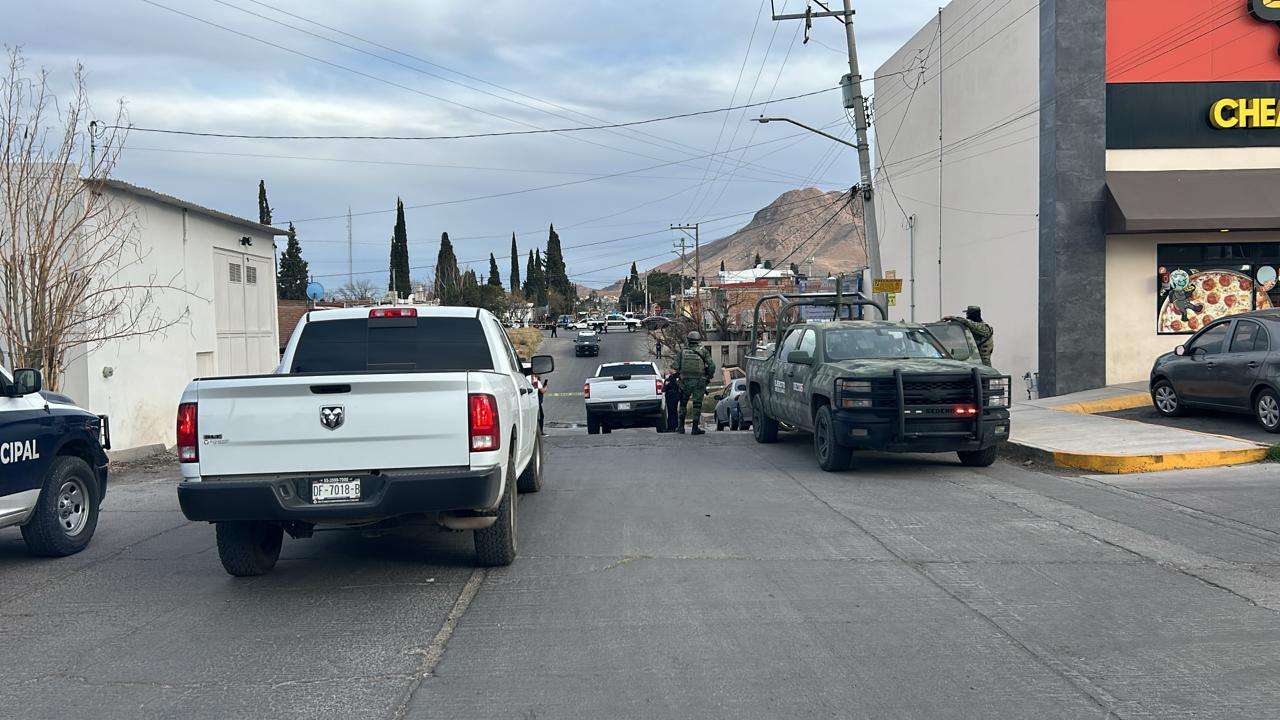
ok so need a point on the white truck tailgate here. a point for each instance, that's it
(636, 388)
(274, 424)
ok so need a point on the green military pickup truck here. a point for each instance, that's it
(875, 385)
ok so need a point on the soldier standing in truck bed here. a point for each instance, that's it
(983, 334)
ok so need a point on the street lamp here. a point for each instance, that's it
(873, 242)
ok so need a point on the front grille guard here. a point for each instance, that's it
(979, 401)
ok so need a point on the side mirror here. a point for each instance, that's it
(799, 357)
(25, 382)
(1180, 350)
(541, 364)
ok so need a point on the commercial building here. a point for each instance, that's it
(1097, 174)
(222, 306)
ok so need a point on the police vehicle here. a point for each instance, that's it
(53, 471)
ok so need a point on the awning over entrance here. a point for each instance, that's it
(1171, 200)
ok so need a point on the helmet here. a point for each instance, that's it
(694, 337)
(973, 312)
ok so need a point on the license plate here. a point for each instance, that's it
(624, 406)
(335, 490)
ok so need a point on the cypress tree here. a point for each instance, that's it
(494, 278)
(264, 210)
(399, 265)
(515, 265)
(291, 284)
(528, 275)
(757, 261)
(557, 276)
(721, 265)
(448, 279)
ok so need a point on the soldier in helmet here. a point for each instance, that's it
(982, 332)
(696, 368)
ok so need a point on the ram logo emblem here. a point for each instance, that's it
(332, 416)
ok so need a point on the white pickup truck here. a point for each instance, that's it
(625, 395)
(375, 416)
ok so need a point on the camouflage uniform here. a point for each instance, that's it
(983, 334)
(693, 386)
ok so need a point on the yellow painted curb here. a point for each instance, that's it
(1104, 405)
(1117, 464)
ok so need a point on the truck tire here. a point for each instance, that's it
(978, 458)
(496, 544)
(593, 425)
(660, 423)
(832, 456)
(248, 549)
(531, 479)
(764, 428)
(66, 513)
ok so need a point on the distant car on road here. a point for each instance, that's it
(586, 343)
(1231, 365)
(733, 411)
(625, 395)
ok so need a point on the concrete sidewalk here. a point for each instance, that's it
(1061, 431)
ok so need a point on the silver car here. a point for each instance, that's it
(733, 410)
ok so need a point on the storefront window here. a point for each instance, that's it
(1199, 283)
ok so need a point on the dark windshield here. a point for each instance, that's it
(361, 345)
(625, 369)
(882, 343)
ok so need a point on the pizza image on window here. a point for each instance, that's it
(1211, 294)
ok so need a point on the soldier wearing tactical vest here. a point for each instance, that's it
(983, 334)
(696, 368)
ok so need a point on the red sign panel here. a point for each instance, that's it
(1192, 40)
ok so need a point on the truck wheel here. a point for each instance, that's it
(832, 456)
(248, 549)
(531, 479)
(978, 458)
(496, 544)
(605, 429)
(660, 423)
(764, 428)
(66, 512)
(593, 425)
(719, 425)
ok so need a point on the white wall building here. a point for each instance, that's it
(225, 311)
(963, 231)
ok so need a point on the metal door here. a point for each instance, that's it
(1240, 365)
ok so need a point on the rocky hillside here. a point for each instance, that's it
(778, 228)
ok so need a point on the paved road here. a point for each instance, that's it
(1206, 421)
(667, 576)
(564, 407)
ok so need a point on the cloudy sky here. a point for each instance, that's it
(431, 67)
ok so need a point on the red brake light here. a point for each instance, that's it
(966, 410)
(657, 384)
(188, 448)
(393, 312)
(483, 417)
(586, 390)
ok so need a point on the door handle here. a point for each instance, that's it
(1254, 363)
(1209, 363)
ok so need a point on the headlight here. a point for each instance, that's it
(998, 392)
(853, 386)
(855, 402)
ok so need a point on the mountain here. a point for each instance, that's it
(800, 219)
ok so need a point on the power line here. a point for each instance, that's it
(467, 136)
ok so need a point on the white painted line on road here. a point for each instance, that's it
(564, 394)
(434, 652)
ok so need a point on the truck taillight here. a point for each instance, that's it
(188, 448)
(393, 312)
(657, 386)
(483, 417)
(586, 390)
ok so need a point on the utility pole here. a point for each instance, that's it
(350, 276)
(682, 245)
(697, 269)
(853, 100)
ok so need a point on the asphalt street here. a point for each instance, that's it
(668, 576)
(563, 407)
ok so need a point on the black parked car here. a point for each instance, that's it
(1231, 365)
(586, 343)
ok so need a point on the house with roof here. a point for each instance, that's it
(220, 308)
